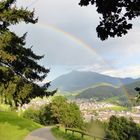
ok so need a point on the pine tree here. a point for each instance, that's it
(19, 68)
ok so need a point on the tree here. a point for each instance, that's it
(67, 114)
(58, 107)
(120, 128)
(46, 115)
(116, 16)
(59, 111)
(19, 69)
(73, 117)
(42, 115)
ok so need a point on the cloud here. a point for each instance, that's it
(119, 54)
(133, 71)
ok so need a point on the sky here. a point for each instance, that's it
(66, 35)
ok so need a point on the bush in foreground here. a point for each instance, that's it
(121, 128)
(32, 114)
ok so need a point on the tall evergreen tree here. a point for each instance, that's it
(19, 69)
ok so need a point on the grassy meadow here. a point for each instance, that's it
(13, 127)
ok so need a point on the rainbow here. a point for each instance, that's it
(80, 42)
(69, 36)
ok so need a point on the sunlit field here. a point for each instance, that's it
(13, 127)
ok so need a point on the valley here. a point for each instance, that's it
(67, 72)
(91, 85)
(100, 96)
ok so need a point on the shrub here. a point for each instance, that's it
(121, 128)
(43, 115)
(46, 116)
(32, 114)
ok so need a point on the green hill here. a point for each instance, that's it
(108, 91)
(13, 127)
(77, 80)
(99, 92)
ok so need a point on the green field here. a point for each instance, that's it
(13, 127)
(119, 108)
(116, 108)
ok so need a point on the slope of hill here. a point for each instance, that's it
(99, 92)
(77, 80)
(103, 92)
(13, 127)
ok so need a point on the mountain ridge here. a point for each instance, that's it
(77, 80)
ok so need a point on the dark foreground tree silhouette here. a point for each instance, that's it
(19, 70)
(116, 16)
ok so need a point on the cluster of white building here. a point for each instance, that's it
(35, 104)
(91, 109)
(100, 110)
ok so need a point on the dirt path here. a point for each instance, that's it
(41, 134)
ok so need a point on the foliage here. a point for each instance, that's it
(120, 128)
(59, 107)
(19, 68)
(13, 127)
(66, 113)
(46, 116)
(116, 16)
(43, 115)
(61, 135)
(32, 114)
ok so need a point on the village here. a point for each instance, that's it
(93, 110)
(103, 111)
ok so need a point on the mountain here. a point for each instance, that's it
(127, 81)
(77, 80)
